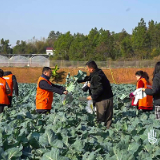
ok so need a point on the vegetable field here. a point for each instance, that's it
(70, 133)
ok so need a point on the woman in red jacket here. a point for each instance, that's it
(146, 103)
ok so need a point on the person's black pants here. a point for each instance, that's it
(43, 111)
(9, 106)
(1, 108)
(10, 100)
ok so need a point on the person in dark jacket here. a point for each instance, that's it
(13, 85)
(101, 94)
(45, 89)
(155, 91)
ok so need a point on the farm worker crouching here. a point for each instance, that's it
(4, 91)
(155, 90)
(101, 94)
(146, 103)
(45, 89)
(12, 83)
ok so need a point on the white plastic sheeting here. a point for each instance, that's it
(24, 61)
(39, 61)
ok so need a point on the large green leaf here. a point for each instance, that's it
(89, 156)
(1, 152)
(54, 154)
(78, 145)
(41, 151)
(12, 153)
(47, 138)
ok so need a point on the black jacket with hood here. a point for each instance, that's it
(100, 86)
(155, 91)
(15, 84)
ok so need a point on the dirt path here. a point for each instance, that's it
(120, 75)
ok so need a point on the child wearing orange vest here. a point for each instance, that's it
(4, 91)
(146, 103)
(45, 89)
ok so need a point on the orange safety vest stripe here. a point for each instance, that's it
(8, 78)
(146, 102)
(44, 98)
(3, 95)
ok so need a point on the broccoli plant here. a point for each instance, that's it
(71, 82)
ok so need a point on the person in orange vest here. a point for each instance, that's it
(4, 91)
(45, 89)
(146, 103)
(13, 85)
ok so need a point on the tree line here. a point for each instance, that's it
(100, 45)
